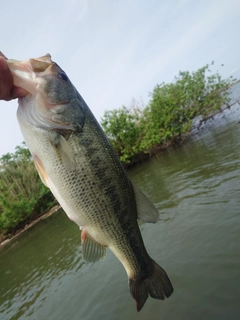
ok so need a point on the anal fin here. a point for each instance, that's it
(92, 251)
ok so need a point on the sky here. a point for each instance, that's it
(115, 51)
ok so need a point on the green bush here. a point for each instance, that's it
(22, 194)
(123, 128)
(169, 114)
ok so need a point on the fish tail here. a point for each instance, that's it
(156, 284)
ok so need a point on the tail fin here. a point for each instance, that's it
(156, 284)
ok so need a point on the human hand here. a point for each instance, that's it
(7, 89)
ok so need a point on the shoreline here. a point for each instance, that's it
(29, 225)
(155, 151)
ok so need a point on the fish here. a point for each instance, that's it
(75, 159)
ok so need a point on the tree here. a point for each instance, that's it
(169, 114)
(22, 194)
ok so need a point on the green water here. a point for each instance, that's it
(197, 241)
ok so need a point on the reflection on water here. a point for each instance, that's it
(197, 240)
(36, 261)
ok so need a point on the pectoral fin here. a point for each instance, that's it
(65, 151)
(92, 251)
(146, 210)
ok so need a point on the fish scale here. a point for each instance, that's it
(77, 162)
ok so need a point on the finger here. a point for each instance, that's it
(3, 55)
(6, 80)
(7, 90)
(18, 92)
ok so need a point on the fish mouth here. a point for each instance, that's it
(25, 73)
(39, 65)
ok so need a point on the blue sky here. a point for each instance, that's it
(114, 51)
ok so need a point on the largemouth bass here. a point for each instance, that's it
(76, 161)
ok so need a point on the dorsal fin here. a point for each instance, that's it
(146, 210)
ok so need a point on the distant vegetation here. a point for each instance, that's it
(23, 196)
(135, 133)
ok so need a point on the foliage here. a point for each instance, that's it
(168, 115)
(22, 194)
(122, 126)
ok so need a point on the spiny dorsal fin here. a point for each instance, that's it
(146, 210)
(92, 251)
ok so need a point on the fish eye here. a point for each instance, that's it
(63, 76)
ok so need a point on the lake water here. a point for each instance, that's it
(197, 241)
